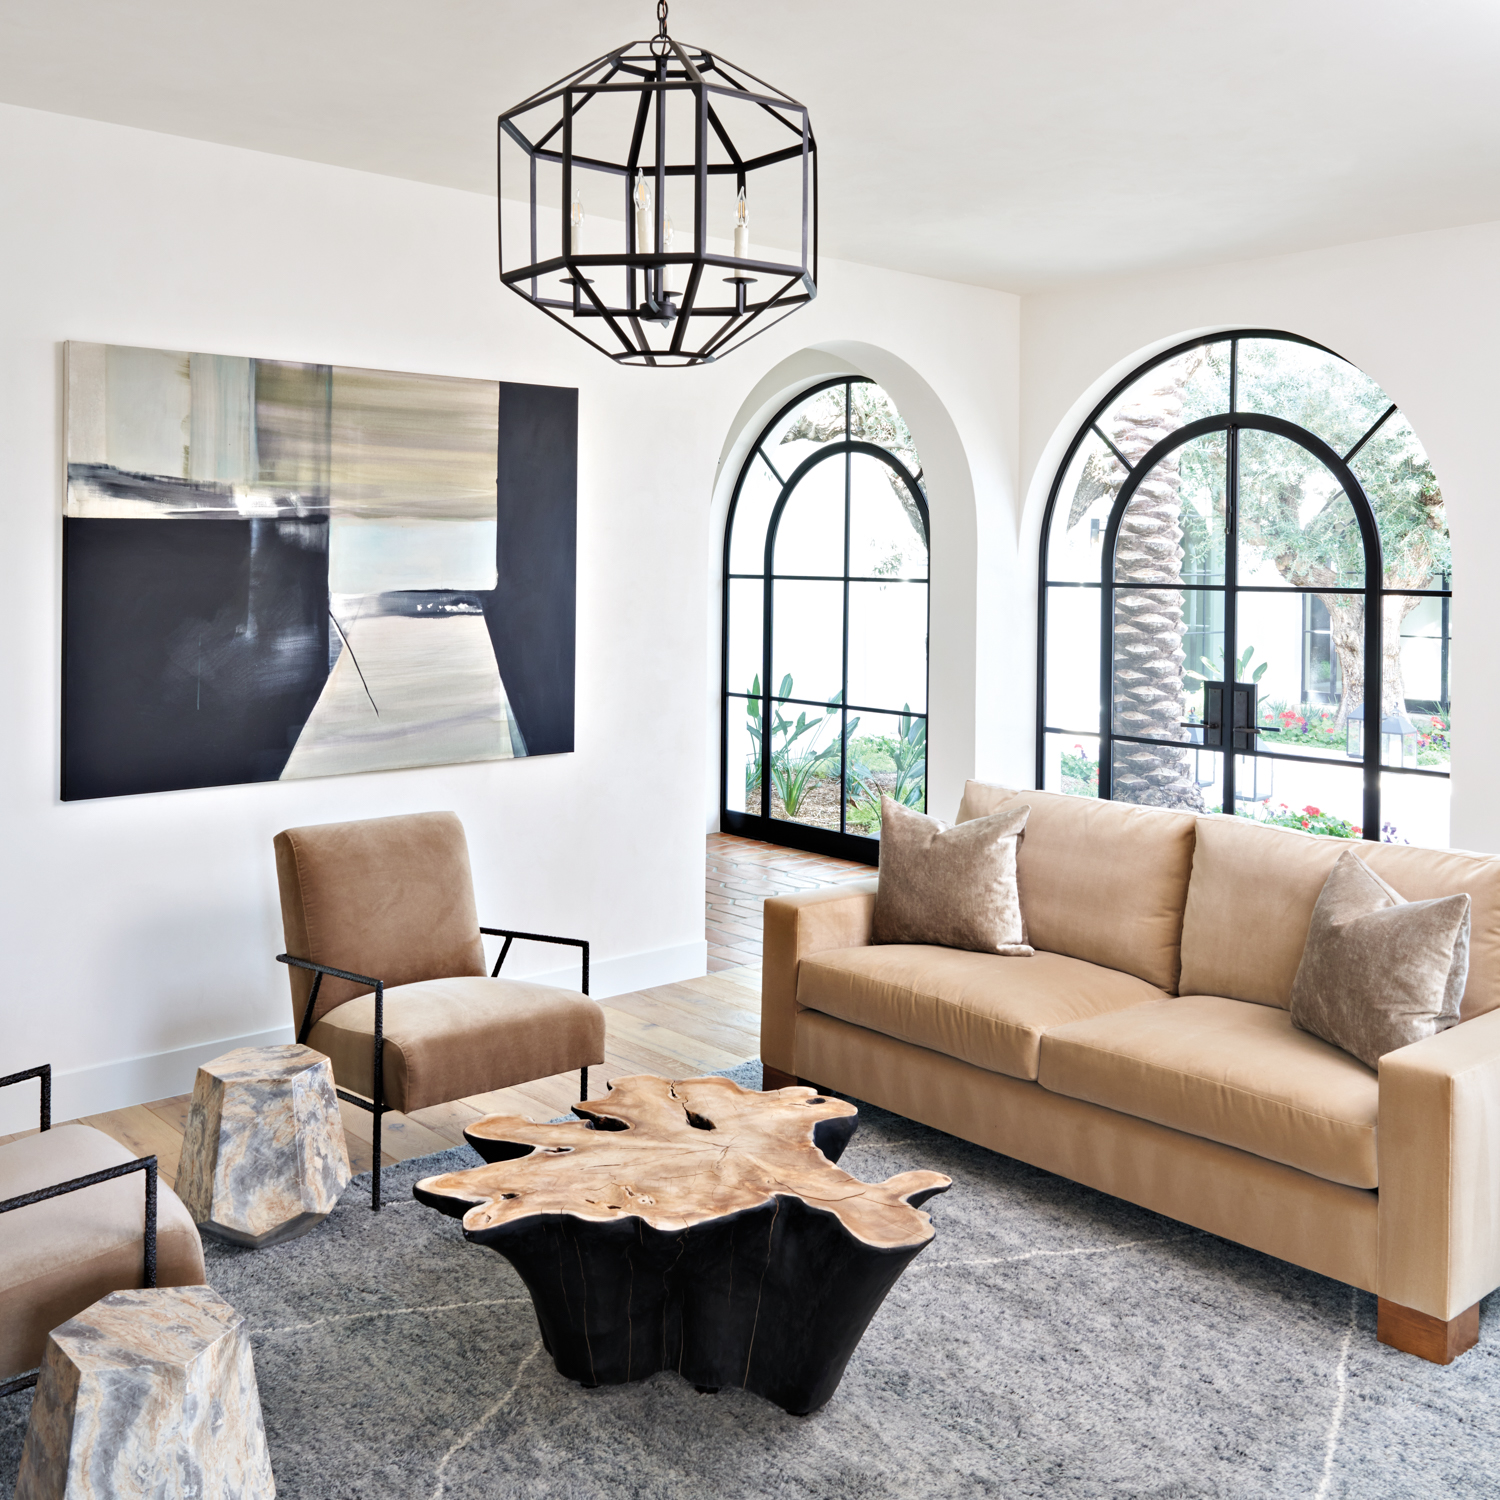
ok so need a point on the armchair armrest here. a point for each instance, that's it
(535, 937)
(146, 1164)
(319, 970)
(1439, 1134)
(45, 1074)
(796, 927)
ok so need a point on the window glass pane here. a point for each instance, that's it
(810, 534)
(1072, 765)
(888, 645)
(1156, 687)
(1394, 469)
(874, 419)
(1327, 799)
(1193, 385)
(1414, 810)
(808, 645)
(1296, 525)
(1173, 529)
(742, 729)
(752, 514)
(1299, 650)
(814, 421)
(746, 613)
(1316, 390)
(885, 527)
(1073, 658)
(1158, 776)
(1080, 518)
(805, 745)
(1415, 683)
(887, 757)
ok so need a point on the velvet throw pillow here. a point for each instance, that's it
(955, 887)
(1379, 972)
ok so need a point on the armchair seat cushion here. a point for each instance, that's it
(448, 1038)
(978, 1007)
(1231, 1071)
(62, 1255)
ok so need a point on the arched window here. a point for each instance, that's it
(825, 604)
(1245, 571)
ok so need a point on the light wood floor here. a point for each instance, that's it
(676, 1030)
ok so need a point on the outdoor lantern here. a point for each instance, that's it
(648, 190)
(1399, 738)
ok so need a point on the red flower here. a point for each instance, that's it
(1312, 812)
(1304, 822)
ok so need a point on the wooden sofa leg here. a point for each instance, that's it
(1427, 1337)
(774, 1078)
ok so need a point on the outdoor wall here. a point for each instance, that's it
(140, 932)
(1420, 314)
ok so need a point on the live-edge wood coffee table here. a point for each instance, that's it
(693, 1226)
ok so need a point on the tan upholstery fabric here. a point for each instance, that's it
(1232, 1072)
(1102, 881)
(1440, 1169)
(984, 1009)
(951, 886)
(388, 897)
(795, 927)
(58, 1257)
(1322, 1225)
(1379, 972)
(1251, 899)
(449, 1038)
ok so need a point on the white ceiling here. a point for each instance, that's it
(1014, 144)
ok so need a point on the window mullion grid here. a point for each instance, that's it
(844, 692)
(1231, 597)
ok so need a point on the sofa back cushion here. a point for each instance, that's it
(1253, 889)
(1101, 881)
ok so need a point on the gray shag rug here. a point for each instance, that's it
(1050, 1341)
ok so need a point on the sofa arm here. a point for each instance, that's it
(795, 928)
(1439, 1134)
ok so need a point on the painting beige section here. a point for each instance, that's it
(430, 694)
(148, 1393)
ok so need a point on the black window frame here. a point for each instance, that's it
(840, 844)
(1230, 422)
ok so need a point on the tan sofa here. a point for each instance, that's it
(1147, 1049)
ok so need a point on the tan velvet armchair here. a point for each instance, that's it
(386, 960)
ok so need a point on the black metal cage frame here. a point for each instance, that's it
(1241, 740)
(654, 71)
(841, 843)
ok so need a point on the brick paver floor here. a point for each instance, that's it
(741, 874)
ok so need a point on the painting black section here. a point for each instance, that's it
(531, 614)
(193, 650)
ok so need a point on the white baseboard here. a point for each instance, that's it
(160, 1075)
(117, 1085)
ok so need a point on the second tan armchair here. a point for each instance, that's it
(388, 974)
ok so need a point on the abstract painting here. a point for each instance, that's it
(275, 570)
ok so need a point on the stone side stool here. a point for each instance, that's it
(264, 1157)
(147, 1395)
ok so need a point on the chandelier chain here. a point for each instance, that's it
(661, 18)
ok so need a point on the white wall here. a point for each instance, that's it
(140, 932)
(1419, 313)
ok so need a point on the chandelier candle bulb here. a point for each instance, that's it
(741, 228)
(575, 238)
(642, 215)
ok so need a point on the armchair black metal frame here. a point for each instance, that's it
(376, 1105)
(146, 1164)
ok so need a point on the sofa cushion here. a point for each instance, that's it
(1231, 1071)
(1101, 881)
(62, 1255)
(1250, 904)
(978, 1007)
(951, 886)
(448, 1038)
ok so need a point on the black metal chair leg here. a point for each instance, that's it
(583, 1083)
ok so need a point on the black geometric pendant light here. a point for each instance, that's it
(643, 174)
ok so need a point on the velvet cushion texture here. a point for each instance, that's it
(1380, 972)
(954, 887)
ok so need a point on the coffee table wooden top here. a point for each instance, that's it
(676, 1153)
